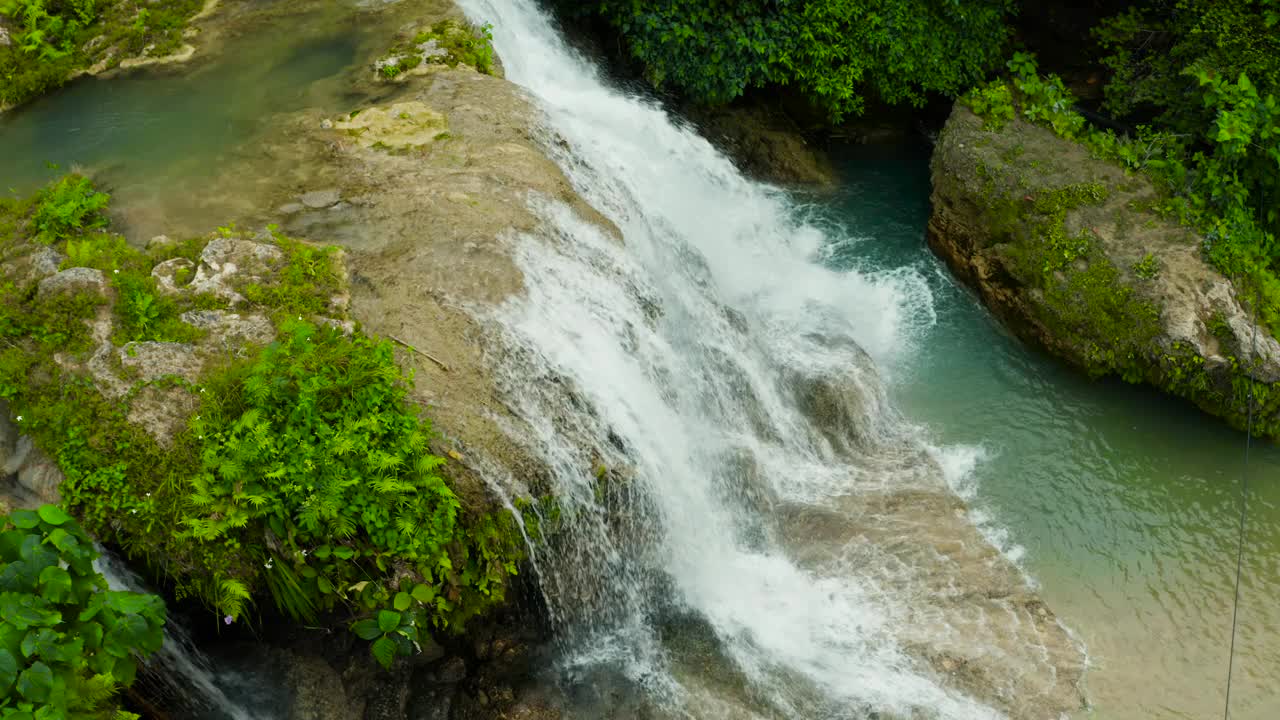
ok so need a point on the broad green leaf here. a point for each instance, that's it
(124, 670)
(384, 651)
(41, 642)
(345, 553)
(25, 611)
(55, 583)
(366, 629)
(388, 621)
(53, 515)
(423, 593)
(36, 682)
(402, 601)
(130, 603)
(8, 671)
(24, 519)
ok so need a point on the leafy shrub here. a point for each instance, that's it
(313, 443)
(67, 643)
(52, 38)
(1205, 181)
(993, 102)
(67, 206)
(836, 52)
(455, 43)
(305, 475)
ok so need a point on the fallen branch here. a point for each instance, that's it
(426, 355)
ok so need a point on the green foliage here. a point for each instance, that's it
(1205, 177)
(47, 29)
(56, 38)
(304, 476)
(67, 643)
(1148, 268)
(993, 102)
(313, 444)
(448, 43)
(68, 206)
(306, 283)
(836, 52)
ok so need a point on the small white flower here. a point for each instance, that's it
(133, 512)
(116, 271)
(19, 418)
(304, 553)
(148, 494)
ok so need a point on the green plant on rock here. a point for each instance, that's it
(66, 207)
(306, 284)
(67, 642)
(1217, 168)
(1148, 268)
(313, 445)
(993, 102)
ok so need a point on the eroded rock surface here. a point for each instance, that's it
(1059, 246)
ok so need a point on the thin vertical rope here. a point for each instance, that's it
(1244, 513)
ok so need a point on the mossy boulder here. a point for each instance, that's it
(209, 407)
(1064, 248)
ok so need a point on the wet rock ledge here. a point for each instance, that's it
(1064, 249)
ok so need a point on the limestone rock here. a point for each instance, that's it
(320, 199)
(318, 691)
(232, 329)
(169, 273)
(8, 437)
(162, 412)
(155, 360)
(45, 262)
(73, 281)
(5, 40)
(1134, 298)
(38, 477)
(401, 125)
(230, 262)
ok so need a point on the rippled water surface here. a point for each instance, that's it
(158, 137)
(1122, 504)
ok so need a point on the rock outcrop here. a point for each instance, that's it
(1063, 248)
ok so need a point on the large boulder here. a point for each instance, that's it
(1060, 246)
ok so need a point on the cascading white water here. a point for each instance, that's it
(719, 394)
(179, 664)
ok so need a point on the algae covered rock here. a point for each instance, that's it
(1064, 249)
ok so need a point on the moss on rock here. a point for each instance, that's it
(1061, 246)
(237, 431)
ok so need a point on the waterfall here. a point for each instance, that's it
(707, 396)
(179, 667)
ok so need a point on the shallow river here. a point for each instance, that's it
(1122, 505)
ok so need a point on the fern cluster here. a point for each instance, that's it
(305, 476)
(313, 446)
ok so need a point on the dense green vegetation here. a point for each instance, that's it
(53, 39)
(1211, 181)
(303, 474)
(838, 53)
(67, 643)
(1198, 80)
(447, 43)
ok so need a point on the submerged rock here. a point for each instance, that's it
(1060, 247)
